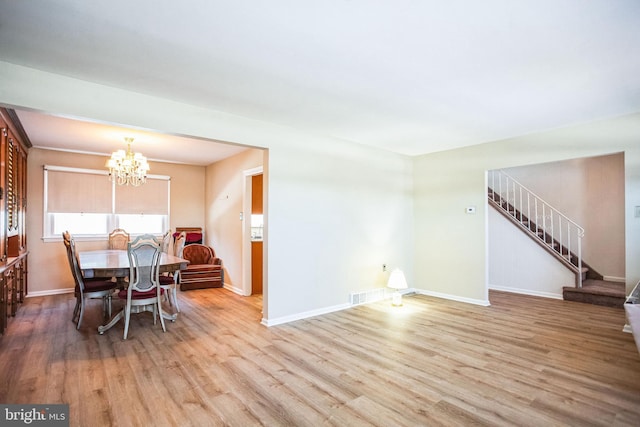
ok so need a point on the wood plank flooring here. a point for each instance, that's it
(523, 361)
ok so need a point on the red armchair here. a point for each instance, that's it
(204, 269)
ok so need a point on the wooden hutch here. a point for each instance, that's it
(14, 144)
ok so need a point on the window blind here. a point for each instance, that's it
(151, 198)
(77, 192)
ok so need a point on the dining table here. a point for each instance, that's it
(115, 263)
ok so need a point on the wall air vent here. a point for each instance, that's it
(367, 296)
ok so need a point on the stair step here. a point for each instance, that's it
(599, 292)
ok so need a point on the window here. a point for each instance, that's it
(80, 223)
(88, 205)
(141, 223)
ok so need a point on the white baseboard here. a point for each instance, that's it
(526, 292)
(485, 303)
(304, 315)
(233, 289)
(614, 279)
(326, 310)
(32, 294)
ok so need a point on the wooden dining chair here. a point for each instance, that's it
(118, 239)
(98, 287)
(143, 290)
(170, 282)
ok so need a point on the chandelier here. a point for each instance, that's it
(127, 168)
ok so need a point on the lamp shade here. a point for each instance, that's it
(397, 280)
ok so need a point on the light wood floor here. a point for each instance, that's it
(522, 361)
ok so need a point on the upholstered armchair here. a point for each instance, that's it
(204, 269)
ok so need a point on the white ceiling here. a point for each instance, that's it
(409, 76)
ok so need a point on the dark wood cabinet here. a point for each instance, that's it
(13, 207)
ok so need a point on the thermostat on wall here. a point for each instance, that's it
(471, 209)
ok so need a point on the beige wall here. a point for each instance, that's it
(48, 265)
(224, 196)
(451, 246)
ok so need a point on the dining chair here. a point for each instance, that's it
(170, 282)
(178, 244)
(167, 243)
(118, 239)
(99, 287)
(143, 291)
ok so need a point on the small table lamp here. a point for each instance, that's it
(397, 281)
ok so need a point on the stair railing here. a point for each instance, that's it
(557, 231)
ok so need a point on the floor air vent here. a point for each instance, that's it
(366, 296)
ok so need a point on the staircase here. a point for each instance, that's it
(557, 234)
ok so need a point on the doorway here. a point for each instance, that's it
(257, 234)
(589, 191)
(253, 232)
